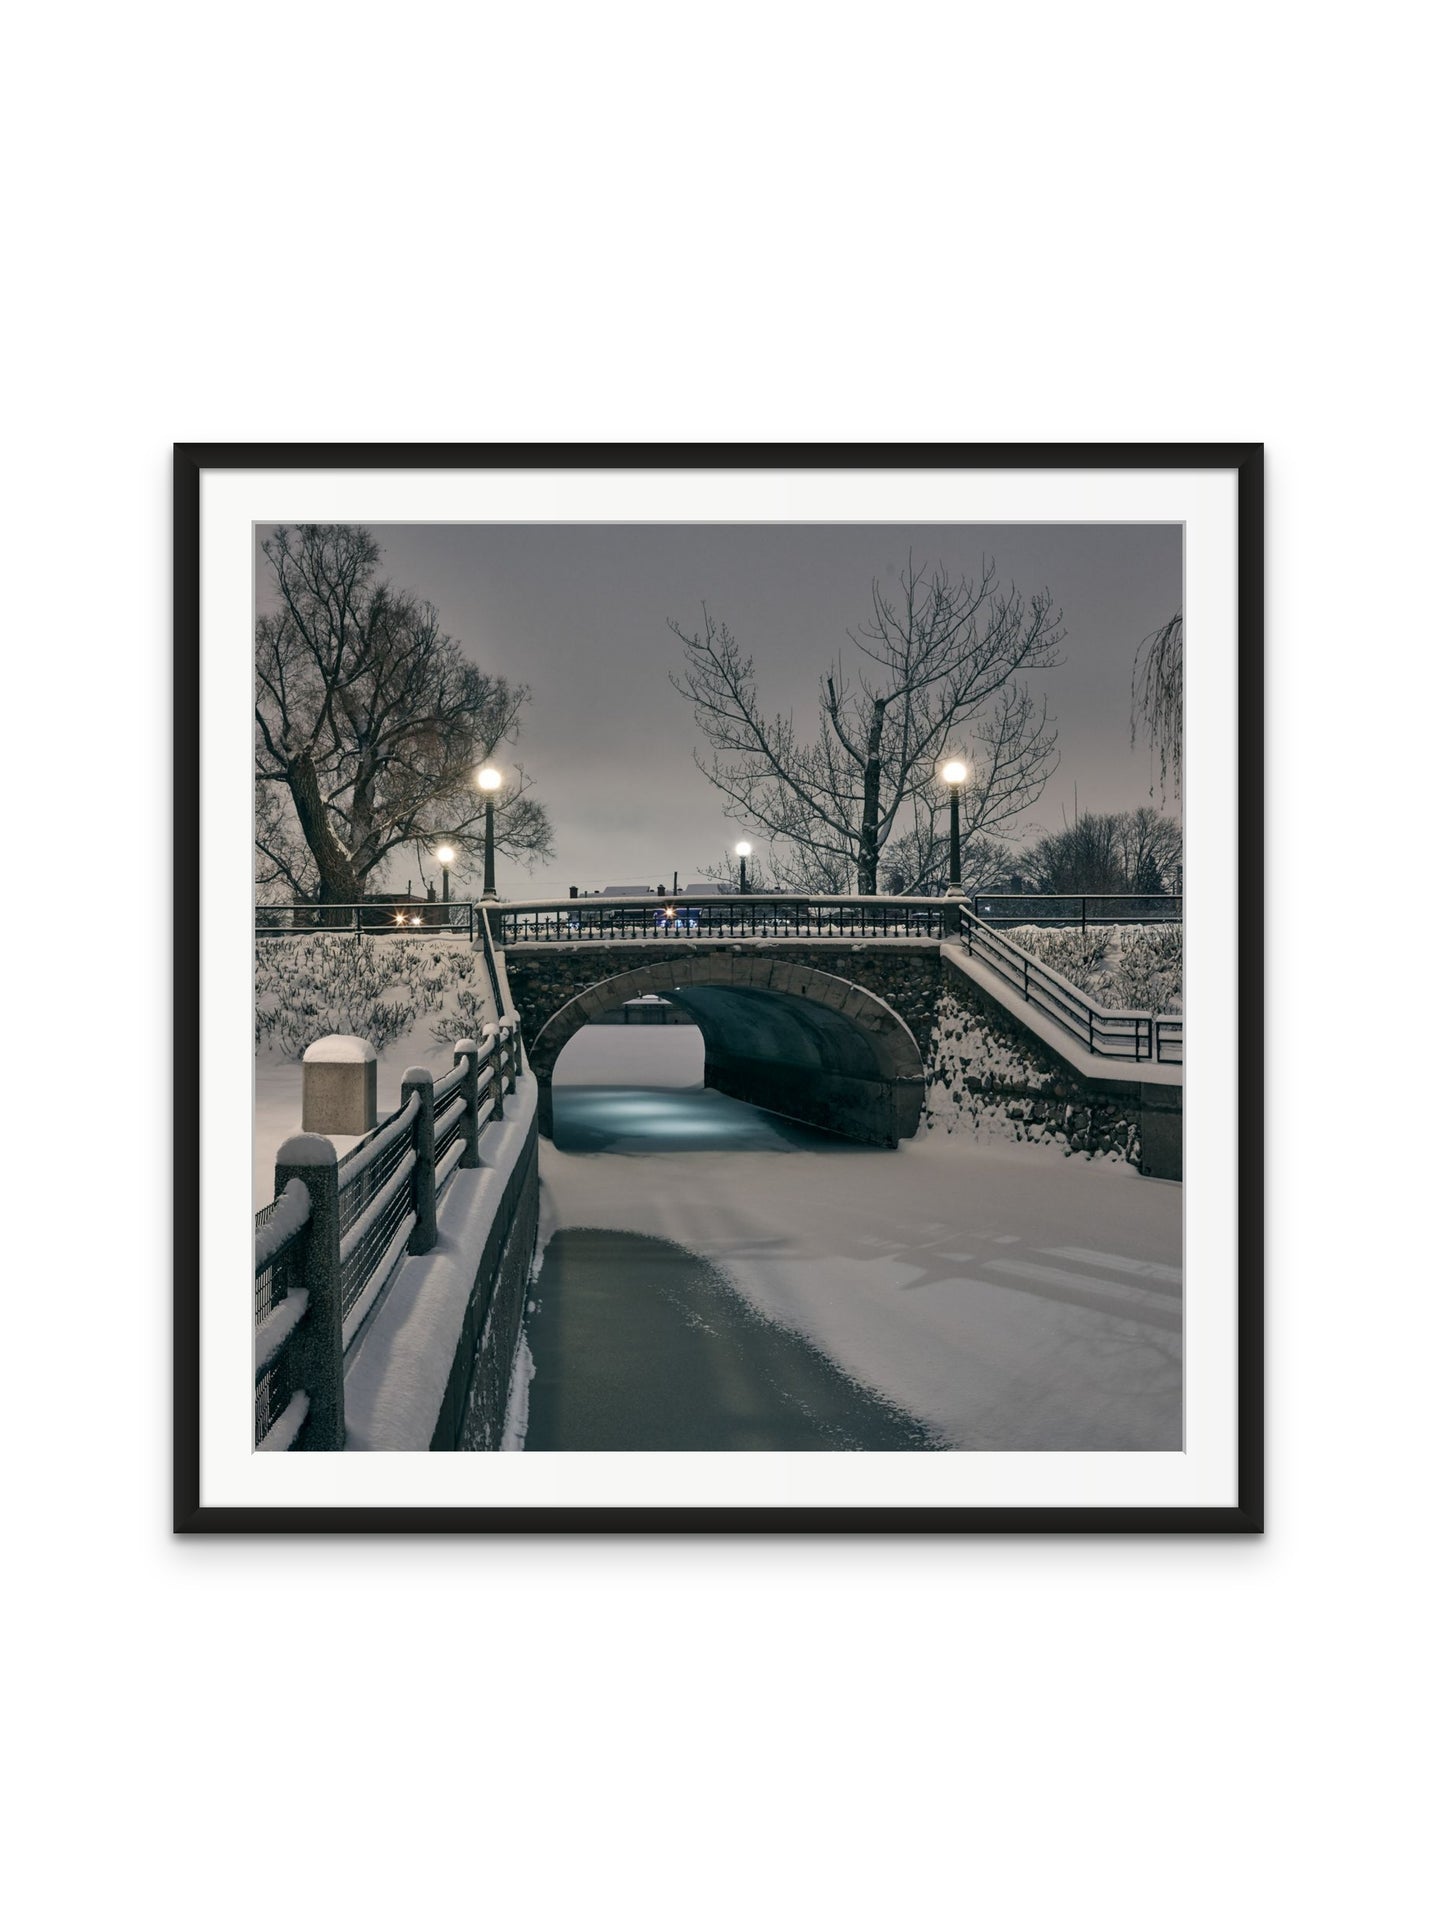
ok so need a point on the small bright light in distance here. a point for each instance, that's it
(446, 854)
(955, 772)
(744, 849)
(489, 778)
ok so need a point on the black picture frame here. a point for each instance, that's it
(1246, 1515)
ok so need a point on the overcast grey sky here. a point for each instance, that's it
(580, 612)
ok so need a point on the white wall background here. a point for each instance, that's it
(771, 222)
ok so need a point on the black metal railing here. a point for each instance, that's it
(1134, 1036)
(381, 917)
(625, 919)
(331, 1238)
(1003, 908)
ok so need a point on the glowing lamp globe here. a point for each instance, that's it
(955, 772)
(446, 854)
(489, 779)
(744, 849)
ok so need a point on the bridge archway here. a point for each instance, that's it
(784, 1036)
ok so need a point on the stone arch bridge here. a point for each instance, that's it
(825, 1010)
(796, 1032)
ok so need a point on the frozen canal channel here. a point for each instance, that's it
(717, 1279)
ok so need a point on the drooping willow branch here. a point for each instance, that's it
(1156, 698)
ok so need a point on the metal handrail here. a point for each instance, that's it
(726, 915)
(1041, 986)
(373, 918)
(1011, 906)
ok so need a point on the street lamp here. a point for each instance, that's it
(955, 774)
(446, 856)
(744, 851)
(489, 781)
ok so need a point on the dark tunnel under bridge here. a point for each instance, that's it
(787, 1037)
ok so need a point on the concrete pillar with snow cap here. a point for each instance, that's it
(338, 1087)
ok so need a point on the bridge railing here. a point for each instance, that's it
(412, 917)
(1003, 908)
(332, 1236)
(615, 919)
(1134, 1036)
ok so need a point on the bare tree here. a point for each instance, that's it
(1107, 851)
(1151, 846)
(1156, 698)
(915, 862)
(941, 672)
(1085, 855)
(370, 723)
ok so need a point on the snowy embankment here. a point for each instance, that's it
(1010, 1298)
(409, 997)
(1121, 966)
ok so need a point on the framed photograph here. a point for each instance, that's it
(691, 946)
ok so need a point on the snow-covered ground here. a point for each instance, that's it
(277, 1111)
(1010, 1297)
(396, 992)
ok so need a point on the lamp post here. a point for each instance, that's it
(955, 774)
(446, 856)
(744, 851)
(489, 781)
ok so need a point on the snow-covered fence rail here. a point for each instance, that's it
(330, 1240)
(1135, 1036)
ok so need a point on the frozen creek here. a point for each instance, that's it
(717, 1279)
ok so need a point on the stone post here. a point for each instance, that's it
(424, 1233)
(471, 1123)
(512, 1033)
(316, 1344)
(338, 1087)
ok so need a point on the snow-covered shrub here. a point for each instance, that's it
(1121, 966)
(471, 1015)
(309, 987)
(1149, 974)
(1078, 955)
